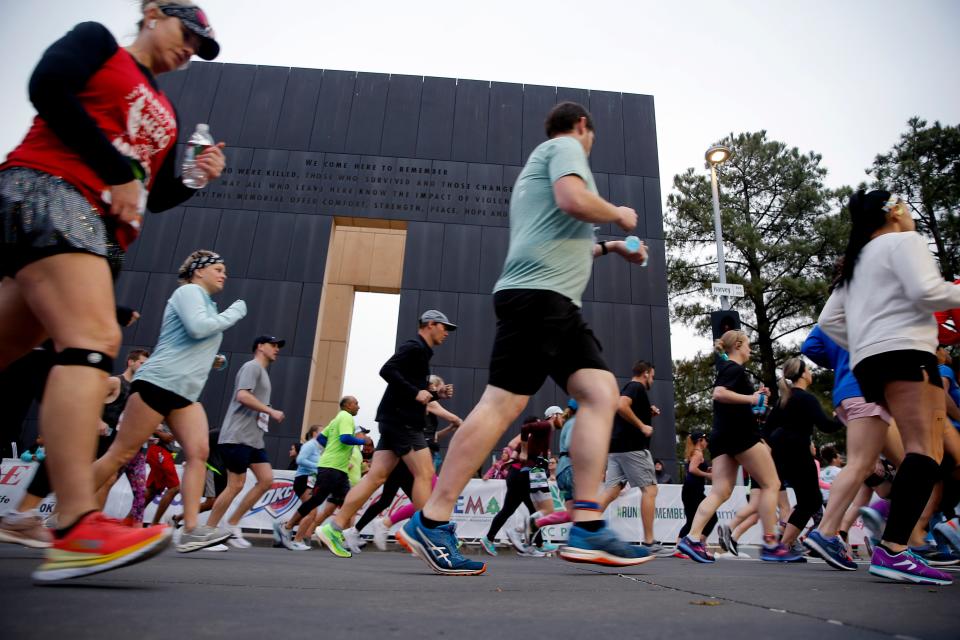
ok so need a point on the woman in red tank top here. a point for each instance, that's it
(72, 197)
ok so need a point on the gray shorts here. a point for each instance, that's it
(209, 486)
(633, 467)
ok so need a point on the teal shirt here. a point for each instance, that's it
(566, 435)
(549, 249)
(190, 335)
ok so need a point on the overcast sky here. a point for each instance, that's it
(837, 77)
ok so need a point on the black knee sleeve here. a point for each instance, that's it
(911, 491)
(84, 358)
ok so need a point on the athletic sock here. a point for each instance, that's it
(843, 535)
(64, 531)
(911, 491)
(590, 525)
(432, 524)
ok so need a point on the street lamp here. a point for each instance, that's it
(718, 154)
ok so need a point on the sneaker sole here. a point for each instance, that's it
(693, 556)
(49, 572)
(319, 535)
(417, 550)
(593, 556)
(898, 576)
(190, 547)
(7, 536)
(821, 553)
(238, 543)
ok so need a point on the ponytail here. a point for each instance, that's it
(867, 214)
(793, 369)
(728, 342)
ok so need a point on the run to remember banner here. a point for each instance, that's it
(480, 502)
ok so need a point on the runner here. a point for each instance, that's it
(881, 311)
(166, 388)
(564, 478)
(540, 333)
(734, 441)
(694, 485)
(71, 202)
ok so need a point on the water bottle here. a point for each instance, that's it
(758, 408)
(633, 246)
(192, 176)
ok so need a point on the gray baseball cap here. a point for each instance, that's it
(437, 316)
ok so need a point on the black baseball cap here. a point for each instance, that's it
(697, 436)
(268, 339)
(194, 19)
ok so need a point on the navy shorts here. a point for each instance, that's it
(237, 458)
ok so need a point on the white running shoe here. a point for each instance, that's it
(352, 540)
(237, 541)
(516, 540)
(380, 534)
(218, 547)
(296, 545)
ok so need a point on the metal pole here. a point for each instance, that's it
(724, 301)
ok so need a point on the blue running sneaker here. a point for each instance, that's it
(695, 550)
(438, 548)
(947, 534)
(488, 546)
(832, 550)
(602, 547)
(780, 553)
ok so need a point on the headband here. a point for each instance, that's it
(199, 263)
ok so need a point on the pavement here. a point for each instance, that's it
(268, 593)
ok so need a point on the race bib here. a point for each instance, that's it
(263, 421)
(538, 479)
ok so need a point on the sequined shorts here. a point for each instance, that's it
(42, 215)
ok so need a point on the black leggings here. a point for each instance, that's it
(796, 467)
(518, 492)
(399, 478)
(691, 500)
(40, 484)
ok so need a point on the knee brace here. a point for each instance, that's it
(71, 357)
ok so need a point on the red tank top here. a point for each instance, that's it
(138, 119)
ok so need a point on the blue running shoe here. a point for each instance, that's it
(832, 550)
(947, 534)
(438, 548)
(780, 553)
(488, 546)
(602, 547)
(695, 550)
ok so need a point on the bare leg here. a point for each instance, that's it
(165, 501)
(382, 466)
(139, 421)
(725, 470)
(648, 510)
(263, 472)
(759, 464)
(189, 425)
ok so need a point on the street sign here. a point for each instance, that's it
(732, 290)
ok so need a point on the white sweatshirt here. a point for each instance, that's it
(889, 304)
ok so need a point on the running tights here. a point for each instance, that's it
(518, 492)
(797, 468)
(691, 501)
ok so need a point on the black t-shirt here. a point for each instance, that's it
(430, 432)
(406, 373)
(733, 417)
(626, 436)
(791, 426)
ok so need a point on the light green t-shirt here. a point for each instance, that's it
(355, 472)
(336, 455)
(549, 249)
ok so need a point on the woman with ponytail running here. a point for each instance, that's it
(882, 313)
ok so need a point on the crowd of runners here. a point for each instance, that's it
(100, 152)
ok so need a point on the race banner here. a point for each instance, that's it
(480, 502)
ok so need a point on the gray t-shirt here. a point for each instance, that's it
(549, 249)
(240, 425)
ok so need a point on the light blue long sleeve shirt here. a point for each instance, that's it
(190, 336)
(309, 457)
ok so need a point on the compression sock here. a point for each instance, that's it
(911, 491)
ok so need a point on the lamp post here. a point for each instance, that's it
(718, 154)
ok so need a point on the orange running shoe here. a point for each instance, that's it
(98, 543)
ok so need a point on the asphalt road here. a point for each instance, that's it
(273, 593)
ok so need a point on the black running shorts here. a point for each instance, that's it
(875, 372)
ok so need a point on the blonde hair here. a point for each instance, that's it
(792, 370)
(730, 341)
(184, 275)
(146, 4)
(436, 381)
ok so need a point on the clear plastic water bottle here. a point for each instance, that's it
(759, 408)
(192, 176)
(633, 246)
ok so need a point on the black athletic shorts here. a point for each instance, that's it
(539, 334)
(237, 458)
(157, 398)
(401, 439)
(908, 365)
(332, 483)
(300, 484)
(731, 442)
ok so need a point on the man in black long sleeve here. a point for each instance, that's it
(401, 417)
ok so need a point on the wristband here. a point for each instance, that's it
(603, 248)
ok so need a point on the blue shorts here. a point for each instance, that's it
(565, 484)
(237, 458)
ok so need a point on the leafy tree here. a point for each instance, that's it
(782, 232)
(924, 169)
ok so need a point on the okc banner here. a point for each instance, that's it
(475, 509)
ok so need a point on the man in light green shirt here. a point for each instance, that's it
(540, 333)
(332, 483)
